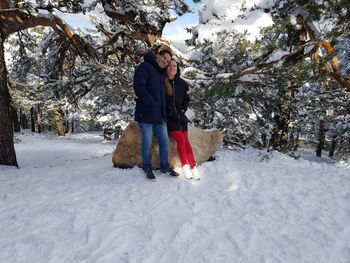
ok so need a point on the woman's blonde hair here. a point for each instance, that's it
(169, 88)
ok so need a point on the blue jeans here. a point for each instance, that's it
(161, 132)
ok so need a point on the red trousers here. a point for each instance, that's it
(184, 147)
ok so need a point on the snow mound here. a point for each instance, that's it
(248, 207)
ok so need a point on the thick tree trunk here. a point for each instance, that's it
(66, 123)
(72, 126)
(32, 119)
(279, 137)
(296, 142)
(39, 118)
(332, 148)
(61, 129)
(15, 120)
(4, 4)
(321, 139)
(7, 149)
(23, 121)
(264, 140)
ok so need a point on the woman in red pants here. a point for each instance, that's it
(177, 100)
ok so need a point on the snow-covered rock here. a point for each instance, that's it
(128, 151)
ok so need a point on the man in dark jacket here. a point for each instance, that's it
(149, 86)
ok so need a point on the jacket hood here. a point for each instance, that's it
(151, 58)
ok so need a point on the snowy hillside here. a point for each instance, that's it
(68, 204)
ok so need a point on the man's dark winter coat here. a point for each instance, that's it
(149, 87)
(176, 105)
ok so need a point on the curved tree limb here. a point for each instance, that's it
(335, 72)
(141, 31)
(14, 20)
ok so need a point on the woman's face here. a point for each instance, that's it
(171, 70)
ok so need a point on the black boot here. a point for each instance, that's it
(170, 172)
(150, 175)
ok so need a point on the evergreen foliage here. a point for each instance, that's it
(271, 92)
(268, 93)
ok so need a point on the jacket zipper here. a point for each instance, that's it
(179, 117)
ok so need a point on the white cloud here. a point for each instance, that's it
(176, 31)
(82, 20)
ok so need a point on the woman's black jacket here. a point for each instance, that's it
(176, 105)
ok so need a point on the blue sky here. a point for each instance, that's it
(176, 30)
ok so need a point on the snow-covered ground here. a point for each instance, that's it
(68, 204)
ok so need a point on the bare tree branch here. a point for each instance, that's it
(14, 20)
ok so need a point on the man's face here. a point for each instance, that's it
(163, 60)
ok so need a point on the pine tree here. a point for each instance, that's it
(138, 26)
(255, 91)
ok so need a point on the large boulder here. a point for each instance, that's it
(128, 151)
